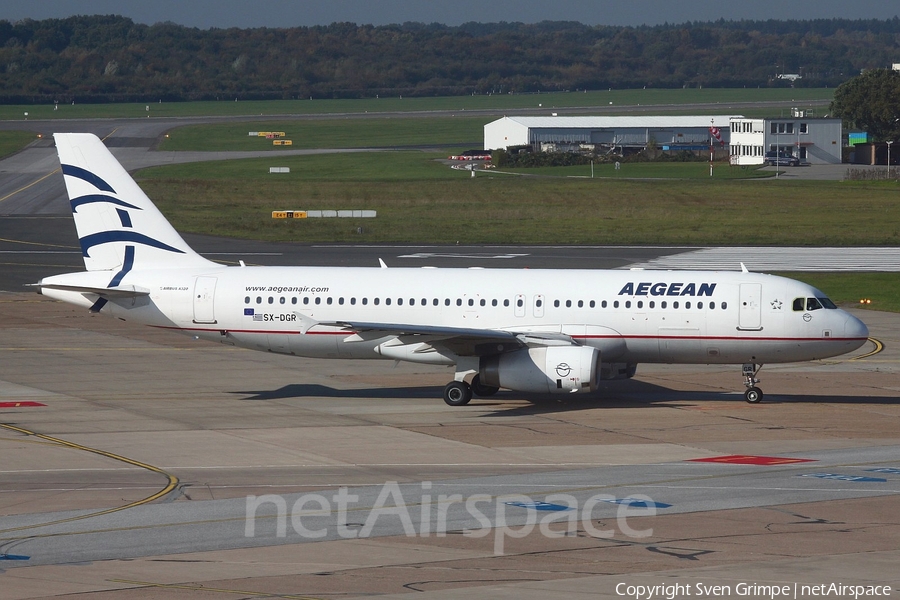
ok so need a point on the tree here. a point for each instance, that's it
(871, 101)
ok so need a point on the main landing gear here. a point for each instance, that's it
(753, 395)
(458, 393)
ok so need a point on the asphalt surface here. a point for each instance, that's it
(141, 464)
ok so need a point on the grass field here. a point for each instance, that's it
(419, 199)
(13, 141)
(228, 107)
(332, 133)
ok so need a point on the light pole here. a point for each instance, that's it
(889, 158)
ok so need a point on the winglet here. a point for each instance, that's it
(381, 262)
(744, 269)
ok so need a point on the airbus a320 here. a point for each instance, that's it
(528, 330)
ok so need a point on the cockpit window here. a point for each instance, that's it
(827, 303)
(806, 304)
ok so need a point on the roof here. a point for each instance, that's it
(610, 122)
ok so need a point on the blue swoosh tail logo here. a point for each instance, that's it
(94, 198)
(106, 237)
(85, 175)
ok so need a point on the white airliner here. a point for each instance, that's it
(546, 331)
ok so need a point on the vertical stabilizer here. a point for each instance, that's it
(118, 226)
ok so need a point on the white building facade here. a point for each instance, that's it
(666, 132)
(814, 141)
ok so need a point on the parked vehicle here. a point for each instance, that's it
(781, 159)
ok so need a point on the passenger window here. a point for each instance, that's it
(328, 301)
(652, 304)
(539, 303)
(799, 304)
(352, 301)
(628, 304)
(603, 304)
(556, 304)
(294, 300)
(581, 304)
(494, 302)
(341, 300)
(387, 301)
(435, 302)
(519, 303)
(724, 305)
(699, 305)
(506, 303)
(446, 301)
(365, 301)
(471, 302)
(259, 299)
(318, 300)
(663, 304)
(399, 302)
(568, 304)
(640, 304)
(376, 301)
(712, 306)
(687, 304)
(246, 299)
(459, 301)
(271, 300)
(305, 299)
(675, 304)
(616, 304)
(593, 304)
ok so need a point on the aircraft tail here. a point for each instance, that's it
(118, 226)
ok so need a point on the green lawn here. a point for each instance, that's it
(617, 98)
(419, 199)
(13, 141)
(330, 133)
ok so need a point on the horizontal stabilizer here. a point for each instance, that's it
(124, 291)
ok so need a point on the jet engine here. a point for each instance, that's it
(551, 369)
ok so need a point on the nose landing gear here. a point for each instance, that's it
(753, 395)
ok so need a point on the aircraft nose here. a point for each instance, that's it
(855, 328)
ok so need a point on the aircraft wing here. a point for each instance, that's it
(463, 341)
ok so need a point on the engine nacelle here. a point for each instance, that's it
(552, 369)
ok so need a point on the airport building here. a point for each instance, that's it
(814, 141)
(612, 134)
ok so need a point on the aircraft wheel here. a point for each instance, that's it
(483, 390)
(753, 395)
(457, 393)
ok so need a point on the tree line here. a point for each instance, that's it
(111, 58)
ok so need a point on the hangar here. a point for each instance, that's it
(610, 133)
